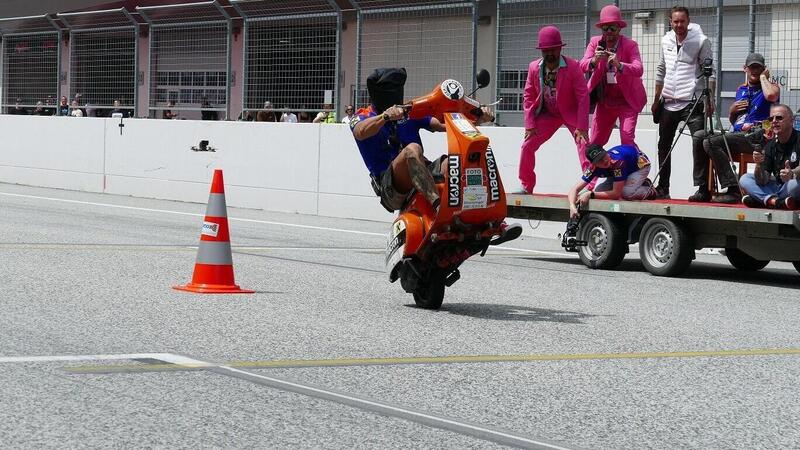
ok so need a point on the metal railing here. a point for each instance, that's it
(309, 55)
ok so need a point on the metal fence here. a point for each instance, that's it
(189, 59)
(432, 40)
(735, 28)
(292, 55)
(102, 61)
(31, 57)
(303, 54)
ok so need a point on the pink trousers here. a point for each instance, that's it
(545, 127)
(603, 124)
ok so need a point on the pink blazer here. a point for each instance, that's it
(630, 80)
(571, 94)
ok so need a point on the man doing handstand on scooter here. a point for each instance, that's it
(390, 143)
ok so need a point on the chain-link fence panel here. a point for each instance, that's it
(292, 56)
(518, 24)
(648, 21)
(189, 69)
(30, 72)
(777, 37)
(292, 63)
(103, 69)
(432, 42)
(189, 60)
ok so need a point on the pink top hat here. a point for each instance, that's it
(611, 15)
(549, 37)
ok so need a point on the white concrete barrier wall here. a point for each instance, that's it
(303, 168)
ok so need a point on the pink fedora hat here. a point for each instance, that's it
(549, 37)
(611, 15)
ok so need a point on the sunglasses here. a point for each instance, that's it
(611, 28)
(774, 118)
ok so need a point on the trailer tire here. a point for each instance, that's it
(743, 261)
(665, 247)
(606, 246)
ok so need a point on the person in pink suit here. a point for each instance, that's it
(616, 78)
(555, 95)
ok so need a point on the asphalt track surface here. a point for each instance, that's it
(530, 349)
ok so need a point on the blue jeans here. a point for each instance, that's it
(772, 189)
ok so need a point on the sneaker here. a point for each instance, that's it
(731, 197)
(701, 196)
(751, 202)
(786, 203)
(662, 192)
(652, 194)
(726, 198)
(771, 202)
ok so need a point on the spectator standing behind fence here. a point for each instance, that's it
(303, 117)
(75, 109)
(167, 113)
(683, 51)
(117, 112)
(775, 182)
(555, 95)
(268, 114)
(327, 115)
(206, 113)
(288, 116)
(63, 107)
(40, 110)
(349, 114)
(616, 79)
(18, 110)
(752, 105)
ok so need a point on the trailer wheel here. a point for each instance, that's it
(743, 261)
(665, 247)
(606, 246)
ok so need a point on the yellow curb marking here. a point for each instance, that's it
(296, 363)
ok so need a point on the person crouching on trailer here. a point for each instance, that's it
(390, 144)
(625, 169)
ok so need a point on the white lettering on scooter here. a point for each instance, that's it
(454, 180)
(491, 169)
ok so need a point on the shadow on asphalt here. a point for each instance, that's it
(768, 277)
(627, 265)
(514, 313)
(780, 278)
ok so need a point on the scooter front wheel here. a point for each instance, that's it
(430, 293)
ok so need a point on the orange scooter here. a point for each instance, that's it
(425, 249)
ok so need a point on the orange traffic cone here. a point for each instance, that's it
(213, 269)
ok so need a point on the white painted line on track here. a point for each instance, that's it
(458, 426)
(479, 431)
(265, 222)
(166, 357)
(166, 211)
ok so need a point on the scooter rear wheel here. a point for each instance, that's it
(430, 293)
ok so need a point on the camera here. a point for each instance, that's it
(706, 67)
(569, 240)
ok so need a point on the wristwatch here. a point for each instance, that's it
(591, 194)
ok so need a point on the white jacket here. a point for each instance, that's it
(679, 69)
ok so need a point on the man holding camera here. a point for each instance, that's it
(752, 105)
(616, 79)
(685, 58)
(775, 182)
(624, 168)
